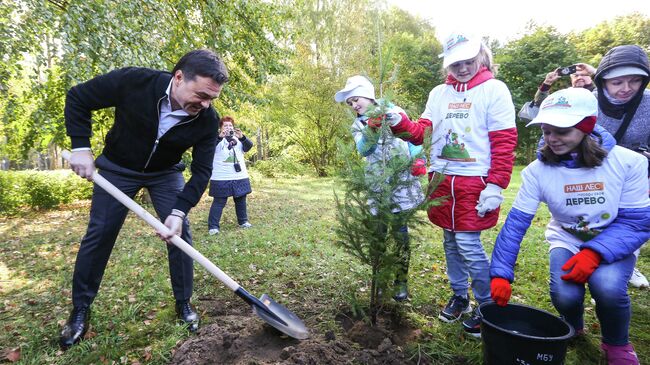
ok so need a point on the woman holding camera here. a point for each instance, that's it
(229, 175)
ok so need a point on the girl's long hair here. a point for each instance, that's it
(590, 153)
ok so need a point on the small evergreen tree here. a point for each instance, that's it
(368, 227)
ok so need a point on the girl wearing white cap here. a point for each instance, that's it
(596, 193)
(473, 142)
(359, 95)
(624, 104)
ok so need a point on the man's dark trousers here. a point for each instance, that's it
(106, 218)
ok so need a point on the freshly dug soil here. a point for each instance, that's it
(237, 336)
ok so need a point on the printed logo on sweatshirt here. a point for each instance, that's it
(454, 148)
(460, 105)
(458, 110)
(588, 193)
(581, 230)
(590, 186)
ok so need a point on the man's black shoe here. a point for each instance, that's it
(76, 327)
(401, 291)
(186, 313)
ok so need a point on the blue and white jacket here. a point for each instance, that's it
(605, 208)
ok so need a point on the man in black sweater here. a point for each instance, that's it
(158, 116)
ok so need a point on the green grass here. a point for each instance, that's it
(288, 254)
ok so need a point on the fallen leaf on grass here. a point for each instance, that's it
(147, 353)
(90, 334)
(13, 355)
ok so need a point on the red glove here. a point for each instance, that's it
(583, 263)
(501, 291)
(419, 167)
(375, 122)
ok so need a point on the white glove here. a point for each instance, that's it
(393, 118)
(489, 200)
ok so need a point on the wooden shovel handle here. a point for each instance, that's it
(158, 225)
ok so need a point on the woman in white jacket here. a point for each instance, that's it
(229, 175)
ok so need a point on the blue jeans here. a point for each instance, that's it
(466, 258)
(214, 217)
(608, 287)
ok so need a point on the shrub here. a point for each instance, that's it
(40, 190)
(10, 197)
(280, 166)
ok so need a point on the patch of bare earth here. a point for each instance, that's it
(237, 336)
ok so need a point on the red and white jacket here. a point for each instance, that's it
(473, 138)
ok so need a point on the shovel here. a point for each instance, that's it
(266, 308)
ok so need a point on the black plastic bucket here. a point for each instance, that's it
(522, 335)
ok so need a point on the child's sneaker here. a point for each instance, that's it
(245, 225)
(455, 308)
(638, 280)
(213, 231)
(620, 355)
(472, 325)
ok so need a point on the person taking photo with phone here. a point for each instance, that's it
(577, 80)
(229, 175)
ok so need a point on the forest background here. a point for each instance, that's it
(286, 60)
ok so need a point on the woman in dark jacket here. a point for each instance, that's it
(624, 104)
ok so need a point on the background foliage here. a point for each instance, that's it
(286, 58)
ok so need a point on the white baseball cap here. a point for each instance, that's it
(356, 86)
(459, 47)
(624, 71)
(566, 108)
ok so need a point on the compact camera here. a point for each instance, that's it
(568, 70)
(237, 166)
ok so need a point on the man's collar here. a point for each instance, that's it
(168, 102)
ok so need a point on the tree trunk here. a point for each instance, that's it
(373, 296)
(266, 140)
(260, 148)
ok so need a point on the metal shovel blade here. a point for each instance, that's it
(275, 314)
(292, 325)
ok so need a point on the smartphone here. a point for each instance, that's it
(568, 70)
